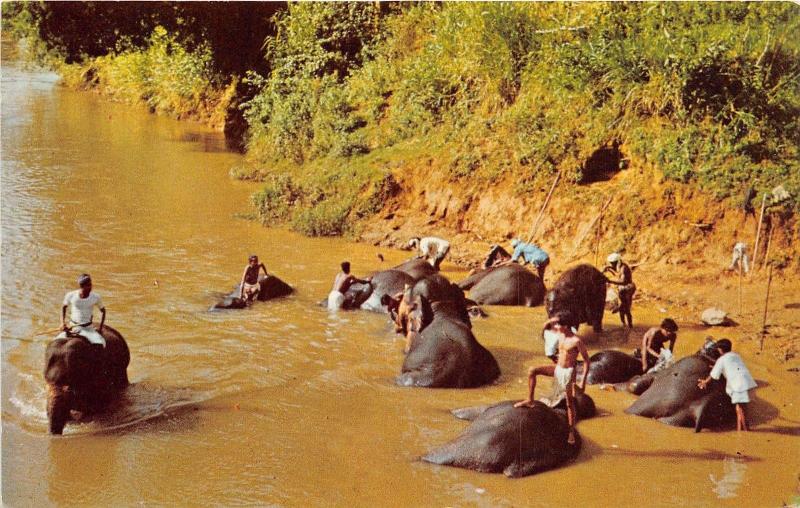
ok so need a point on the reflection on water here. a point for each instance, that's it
(282, 403)
(734, 472)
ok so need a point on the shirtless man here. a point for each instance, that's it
(563, 373)
(624, 280)
(249, 287)
(341, 284)
(654, 340)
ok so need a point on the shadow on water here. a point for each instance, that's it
(710, 455)
(209, 142)
(512, 361)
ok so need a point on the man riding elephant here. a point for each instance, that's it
(81, 303)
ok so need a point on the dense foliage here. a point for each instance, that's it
(707, 93)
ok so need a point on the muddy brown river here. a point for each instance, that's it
(282, 403)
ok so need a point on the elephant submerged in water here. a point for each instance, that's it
(270, 287)
(441, 349)
(82, 376)
(610, 366)
(510, 284)
(581, 291)
(515, 441)
(673, 397)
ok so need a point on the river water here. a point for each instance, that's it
(282, 403)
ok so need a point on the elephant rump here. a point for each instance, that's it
(447, 355)
(505, 285)
(581, 291)
(515, 441)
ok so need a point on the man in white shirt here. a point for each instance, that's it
(432, 248)
(82, 302)
(738, 380)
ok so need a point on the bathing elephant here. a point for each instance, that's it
(515, 441)
(581, 291)
(674, 398)
(370, 296)
(271, 287)
(612, 367)
(442, 351)
(83, 377)
(432, 289)
(416, 268)
(511, 284)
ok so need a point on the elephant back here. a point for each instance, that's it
(272, 287)
(416, 268)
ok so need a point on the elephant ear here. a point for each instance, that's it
(420, 314)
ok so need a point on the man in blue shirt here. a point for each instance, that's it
(529, 253)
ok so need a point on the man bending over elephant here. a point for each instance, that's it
(653, 351)
(82, 301)
(341, 284)
(624, 280)
(431, 248)
(563, 372)
(529, 253)
(249, 287)
(738, 380)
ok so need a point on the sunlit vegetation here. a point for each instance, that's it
(707, 93)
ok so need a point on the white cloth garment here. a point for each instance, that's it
(665, 359)
(551, 339)
(738, 379)
(335, 300)
(81, 308)
(87, 331)
(431, 246)
(561, 379)
(740, 256)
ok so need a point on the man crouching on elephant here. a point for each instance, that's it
(563, 372)
(82, 301)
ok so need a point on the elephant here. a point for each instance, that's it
(610, 366)
(82, 376)
(432, 289)
(581, 291)
(416, 268)
(271, 287)
(674, 398)
(515, 441)
(442, 351)
(510, 284)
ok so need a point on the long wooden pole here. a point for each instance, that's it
(769, 242)
(741, 270)
(588, 230)
(766, 306)
(544, 207)
(597, 238)
(758, 231)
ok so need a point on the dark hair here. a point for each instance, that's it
(725, 345)
(669, 325)
(346, 266)
(84, 278)
(565, 318)
(252, 257)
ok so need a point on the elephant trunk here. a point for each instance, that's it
(58, 406)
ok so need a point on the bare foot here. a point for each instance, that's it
(524, 403)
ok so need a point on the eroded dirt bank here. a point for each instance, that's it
(680, 239)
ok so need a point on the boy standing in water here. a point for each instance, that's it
(82, 301)
(738, 380)
(249, 287)
(627, 288)
(563, 373)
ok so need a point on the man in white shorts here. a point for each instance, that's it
(563, 372)
(82, 301)
(738, 380)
